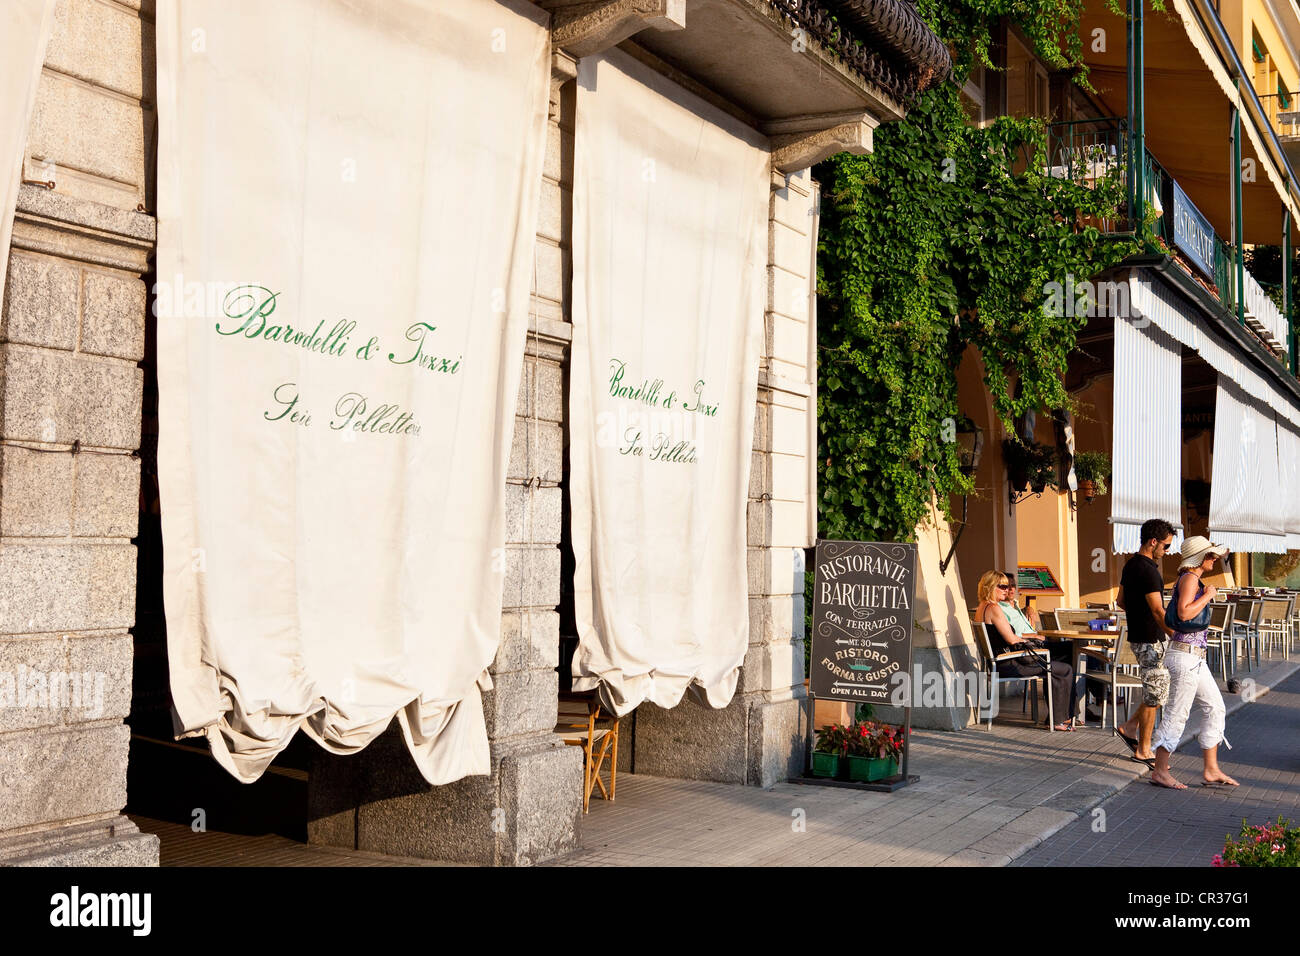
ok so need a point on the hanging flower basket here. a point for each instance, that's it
(1092, 468)
(1030, 465)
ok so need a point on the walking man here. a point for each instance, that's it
(1141, 596)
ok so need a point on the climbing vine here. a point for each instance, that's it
(947, 236)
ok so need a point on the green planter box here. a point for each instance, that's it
(825, 765)
(868, 769)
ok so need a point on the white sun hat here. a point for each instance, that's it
(1196, 548)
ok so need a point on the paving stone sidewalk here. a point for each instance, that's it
(984, 799)
(1146, 825)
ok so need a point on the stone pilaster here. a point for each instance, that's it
(71, 335)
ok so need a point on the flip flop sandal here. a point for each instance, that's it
(1130, 742)
(1218, 785)
(1149, 761)
(1164, 786)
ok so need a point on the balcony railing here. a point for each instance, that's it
(1085, 151)
(1283, 113)
(1264, 318)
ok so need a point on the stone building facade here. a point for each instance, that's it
(73, 335)
(74, 357)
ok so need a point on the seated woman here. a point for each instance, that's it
(1012, 602)
(1003, 636)
(1191, 682)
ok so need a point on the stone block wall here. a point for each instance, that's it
(72, 329)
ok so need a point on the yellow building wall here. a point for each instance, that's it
(989, 539)
(1098, 569)
(1046, 532)
(1239, 18)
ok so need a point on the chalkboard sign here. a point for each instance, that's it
(1037, 577)
(863, 599)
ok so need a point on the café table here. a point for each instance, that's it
(1080, 639)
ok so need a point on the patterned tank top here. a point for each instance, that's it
(1195, 638)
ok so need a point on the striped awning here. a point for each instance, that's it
(1247, 510)
(1152, 298)
(1288, 463)
(1146, 458)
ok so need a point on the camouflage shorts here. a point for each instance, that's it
(1154, 674)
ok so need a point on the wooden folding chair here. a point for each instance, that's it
(582, 722)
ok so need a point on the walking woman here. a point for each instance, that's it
(1190, 679)
(995, 586)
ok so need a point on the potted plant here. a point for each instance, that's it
(829, 751)
(874, 751)
(1272, 844)
(1092, 468)
(1030, 465)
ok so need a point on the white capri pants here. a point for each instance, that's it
(1190, 681)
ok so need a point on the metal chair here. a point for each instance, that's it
(1121, 674)
(1245, 619)
(1219, 637)
(1073, 617)
(992, 660)
(1295, 615)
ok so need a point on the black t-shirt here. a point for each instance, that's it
(1141, 576)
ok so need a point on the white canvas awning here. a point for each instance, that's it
(1152, 299)
(1247, 510)
(1146, 459)
(1255, 425)
(1288, 464)
(669, 248)
(25, 27)
(350, 191)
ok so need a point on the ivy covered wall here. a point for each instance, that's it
(946, 236)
